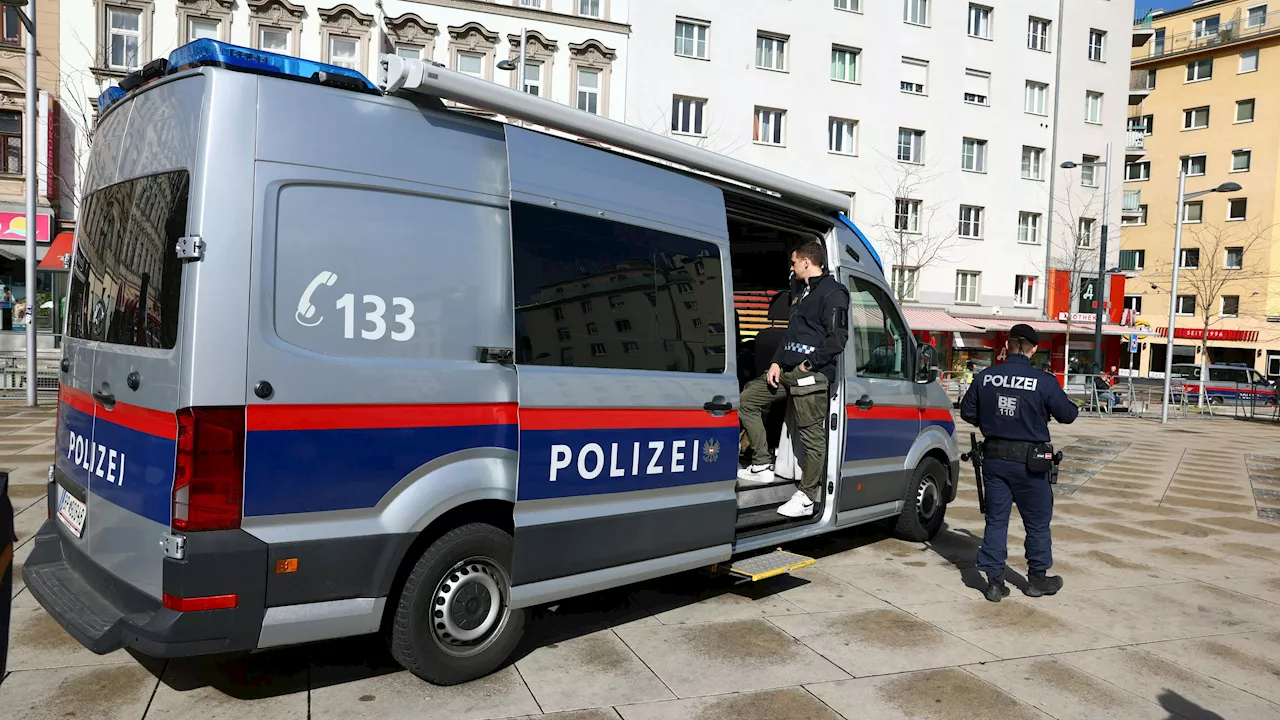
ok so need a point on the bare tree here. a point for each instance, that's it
(916, 233)
(713, 137)
(1075, 250)
(1226, 271)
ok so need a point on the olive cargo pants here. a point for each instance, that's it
(810, 403)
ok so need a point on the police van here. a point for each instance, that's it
(419, 384)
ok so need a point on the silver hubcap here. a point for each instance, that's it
(470, 606)
(928, 499)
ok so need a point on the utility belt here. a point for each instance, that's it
(1039, 457)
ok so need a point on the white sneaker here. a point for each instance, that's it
(756, 474)
(798, 506)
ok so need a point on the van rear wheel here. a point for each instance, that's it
(925, 505)
(453, 619)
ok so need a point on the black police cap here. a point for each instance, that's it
(1025, 332)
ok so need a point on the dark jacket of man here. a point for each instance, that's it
(818, 327)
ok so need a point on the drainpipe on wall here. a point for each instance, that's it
(1053, 159)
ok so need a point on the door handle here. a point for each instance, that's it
(864, 403)
(106, 398)
(717, 406)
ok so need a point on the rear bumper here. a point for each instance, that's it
(104, 613)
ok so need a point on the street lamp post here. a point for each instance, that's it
(1183, 197)
(29, 147)
(1100, 302)
(508, 65)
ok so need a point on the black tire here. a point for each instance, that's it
(457, 574)
(925, 503)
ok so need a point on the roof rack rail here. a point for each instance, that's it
(397, 75)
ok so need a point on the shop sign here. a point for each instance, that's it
(1214, 334)
(13, 226)
(1078, 317)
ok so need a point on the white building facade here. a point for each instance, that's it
(577, 49)
(943, 119)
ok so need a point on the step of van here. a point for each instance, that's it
(760, 567)
(756, 496)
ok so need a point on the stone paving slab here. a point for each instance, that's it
(945, 694)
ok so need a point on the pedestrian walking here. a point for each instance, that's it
(1011, 404)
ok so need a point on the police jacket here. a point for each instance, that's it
(1013, 401)
(818, 327)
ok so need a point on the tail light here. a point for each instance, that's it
(208, 478)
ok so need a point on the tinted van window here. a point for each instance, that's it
(126, 279)
(880, 340)
(596, 293)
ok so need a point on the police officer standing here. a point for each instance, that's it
(1011, 404)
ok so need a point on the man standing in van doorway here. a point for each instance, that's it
(1011, 403)
(805, 366)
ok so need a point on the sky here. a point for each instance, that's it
(1142, 6)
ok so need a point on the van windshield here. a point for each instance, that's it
(126, 279)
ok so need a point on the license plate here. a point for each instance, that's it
(72, 512)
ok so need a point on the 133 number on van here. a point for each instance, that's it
(347, 303)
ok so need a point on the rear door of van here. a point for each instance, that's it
(627, 382)
(125, 334)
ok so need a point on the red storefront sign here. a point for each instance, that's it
(1199, 333)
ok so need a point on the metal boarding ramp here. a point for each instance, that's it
(403, 76)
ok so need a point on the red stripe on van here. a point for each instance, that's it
(145, 420)
(620, 419)
(376, 417)
(76, 399)
(887, 412)
(937, 415)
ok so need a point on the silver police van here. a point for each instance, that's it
(413, 358)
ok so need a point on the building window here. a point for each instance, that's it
(906, 215)
(1140, 220)
(1084, 237)
(1029, 228)
(1198, 70)
(563, 333)
(1038, 34)
(691, 39)
(844, 64)
(1234, 259)
(533, 78)
(275, 24)
(586, 309)
(1241, 160)
(344, 52)
(558, 313)
(471, 64)
(1096, 40)
(589, 8)
(979, 21)
(842, 136)
(1193, 211)
(1244, 111)
(1195, 118)
(413, 37)
(1146, 123)
(1206, 27)
(971, 222)
(915, 12)
(12, 26)
(1134, 303)
(202, 28)
(768, 128)
(622, 325)
(1230, 306)
(915, 74)
(1036, 95)
(1024, 290)
(1133, 259)
(977, 87)
(597, 350)
(1190, 259)
(849, 5)
(1193, 165)
(687, 115)
(904, 282)
(1089, 171)
(1257, 16)
(967, 287)
(1237, 208)
(274, 40)
(11, 142)
(589, 90)
(616, 301)
(1248, 61)
(1093, 107)
(973, 155)
(1032, 161)
(910, 146)
(409, 51)
(771, 53)
(1186, 305)
(1137, 170)
(125, 26)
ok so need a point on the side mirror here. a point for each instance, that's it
(926, 364)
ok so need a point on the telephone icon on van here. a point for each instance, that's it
(305, 309)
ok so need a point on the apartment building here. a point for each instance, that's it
(1207, 85)
(576, 50)
(945, 122)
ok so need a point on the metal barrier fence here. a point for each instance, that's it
(1100, 398)
(13, 374)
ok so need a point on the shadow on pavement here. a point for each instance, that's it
(1181, 708)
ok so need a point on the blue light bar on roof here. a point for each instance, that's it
(865, 242)
(109, 97)
(234, 57)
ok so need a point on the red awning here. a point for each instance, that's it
(935, 320)
(1049, 327)
(58, 257)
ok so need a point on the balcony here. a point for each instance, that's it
(1142, 31)
(1141, 83)
(1131, 207)
(1238, 29)
(1135, 143)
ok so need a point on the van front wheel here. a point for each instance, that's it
(453, 620)
(925, 505)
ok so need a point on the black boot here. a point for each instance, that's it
(996, 589)
(1038, 586)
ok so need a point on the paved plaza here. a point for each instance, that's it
(1168, 538)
